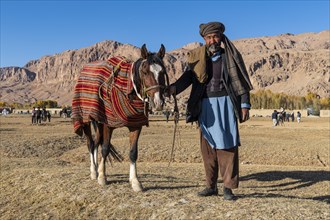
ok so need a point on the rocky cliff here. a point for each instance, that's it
(292, 64)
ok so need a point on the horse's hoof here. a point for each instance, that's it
(136, 186)
(93, 176)
(102, 181)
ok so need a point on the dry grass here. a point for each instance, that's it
(45, 173)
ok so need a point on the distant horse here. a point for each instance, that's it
(117, 93)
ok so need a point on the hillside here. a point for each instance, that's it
(292, 64)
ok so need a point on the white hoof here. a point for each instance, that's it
(102, 181)
(136, 185)
(93, 175)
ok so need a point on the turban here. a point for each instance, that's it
(211, 27)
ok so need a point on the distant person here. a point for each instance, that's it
(281, 118)
(287, 116)
(65, 112)
(38, 115)
(49, 116)
(44, 114)
(34, 115)
(292, 116)
(298, 116)
(5, 112)
(274, 118)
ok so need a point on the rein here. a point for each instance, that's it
(176, 121)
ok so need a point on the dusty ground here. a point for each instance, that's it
(45, 173)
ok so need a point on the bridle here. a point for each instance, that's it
(136, 76)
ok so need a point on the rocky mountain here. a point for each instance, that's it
(292, 64)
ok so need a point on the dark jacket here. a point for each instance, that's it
(197, 91)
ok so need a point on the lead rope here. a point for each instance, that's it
(176, 121)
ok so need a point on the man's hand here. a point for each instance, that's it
(169, 91)
(245, 114)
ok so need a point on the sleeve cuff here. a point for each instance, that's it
(245, 105)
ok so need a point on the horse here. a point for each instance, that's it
(118, 93)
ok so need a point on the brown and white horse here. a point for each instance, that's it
(147, 77)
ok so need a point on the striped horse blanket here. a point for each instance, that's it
(101, 94)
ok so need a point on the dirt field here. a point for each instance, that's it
(284, 173)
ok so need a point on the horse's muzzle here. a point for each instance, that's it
(157, 102)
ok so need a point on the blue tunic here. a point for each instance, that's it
(218, 122)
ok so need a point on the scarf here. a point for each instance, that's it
(238, 75)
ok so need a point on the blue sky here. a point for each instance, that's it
(32, 29)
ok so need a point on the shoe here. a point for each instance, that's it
(208, 192)
(228, 194)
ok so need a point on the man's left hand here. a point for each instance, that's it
(245, 114)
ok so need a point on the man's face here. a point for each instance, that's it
(213, 42)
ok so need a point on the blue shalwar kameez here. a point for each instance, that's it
(218, 122)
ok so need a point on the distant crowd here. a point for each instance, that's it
(279, 117)
(40, 115)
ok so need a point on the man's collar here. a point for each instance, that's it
(216, 56)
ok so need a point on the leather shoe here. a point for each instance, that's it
(208, 192)
(228, 194)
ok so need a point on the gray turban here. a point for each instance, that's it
(211, 27)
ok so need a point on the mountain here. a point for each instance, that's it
(292, 64)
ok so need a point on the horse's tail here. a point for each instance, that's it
(94, 123)
(114, 155)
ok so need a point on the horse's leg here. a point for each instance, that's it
(107, 133)
(98, 128)
(133, 155)
(91, 149)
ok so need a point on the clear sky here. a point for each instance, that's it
(32, 29)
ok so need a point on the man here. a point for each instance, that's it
(274, 118)
(219, 96)
(38, 115)
(34, 115)
(49, 116)
(298, 116)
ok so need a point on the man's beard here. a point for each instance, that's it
(213, 48)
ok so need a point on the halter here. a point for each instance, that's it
(142, 94)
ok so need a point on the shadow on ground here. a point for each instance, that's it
(298, 180)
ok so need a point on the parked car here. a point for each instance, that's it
(313, 111)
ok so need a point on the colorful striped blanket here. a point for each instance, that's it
(102, 96)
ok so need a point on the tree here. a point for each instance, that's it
(325, 103)
(268, 100)
(3, 104)
(46, 103)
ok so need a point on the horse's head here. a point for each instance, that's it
(151, 77)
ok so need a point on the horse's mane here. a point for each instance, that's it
(136, 77)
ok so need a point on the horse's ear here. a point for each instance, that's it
(144, 51)
(161, 52)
